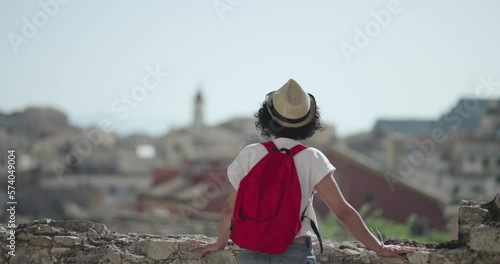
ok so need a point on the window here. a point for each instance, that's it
(486, 162)
(498, 161)
(498, 178)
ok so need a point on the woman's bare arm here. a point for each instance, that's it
(224, 225)
(352, 221)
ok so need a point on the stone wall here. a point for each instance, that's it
(53, 241)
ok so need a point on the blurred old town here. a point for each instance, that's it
(176, 182)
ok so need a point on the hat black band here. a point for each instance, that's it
(288, 120)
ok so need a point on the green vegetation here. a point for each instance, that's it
(383, 228)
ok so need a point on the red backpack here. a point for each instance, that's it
(266, 216)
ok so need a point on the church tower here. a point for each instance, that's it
(198, 109)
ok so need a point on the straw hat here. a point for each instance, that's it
(291, 106)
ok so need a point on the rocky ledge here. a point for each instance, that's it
(54, 241)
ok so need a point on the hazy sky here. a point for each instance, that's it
(84, 55)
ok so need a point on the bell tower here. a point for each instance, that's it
(198, 109)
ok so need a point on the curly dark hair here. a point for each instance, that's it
(268, 127)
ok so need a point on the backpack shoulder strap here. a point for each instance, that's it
(270, 146)
(296, 149)
(313, 224)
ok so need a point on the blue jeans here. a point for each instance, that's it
(295, 254)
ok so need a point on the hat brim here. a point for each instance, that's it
(291, 123)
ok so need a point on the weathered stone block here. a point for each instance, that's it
(82, 226)
(67, 241)
(23, 255)
(419, 257)
(111, 257)
(158, 249)
(57, 251)
(485, 238)
(45, 230)
(24, 236)
(41, 241)
(472, 216)
(4, 233)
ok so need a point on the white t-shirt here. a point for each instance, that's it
(312, 165)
